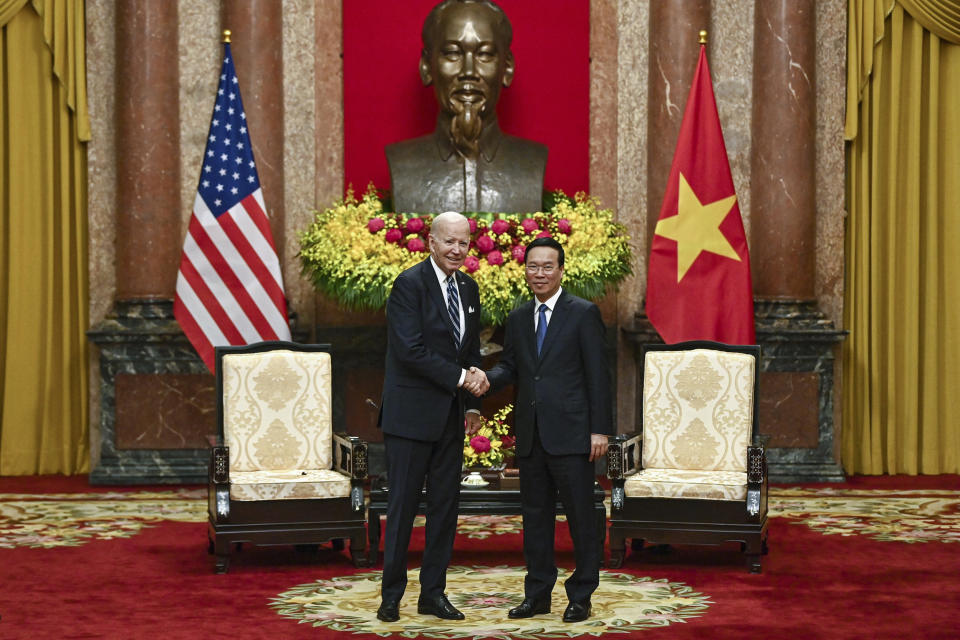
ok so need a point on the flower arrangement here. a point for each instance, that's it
(354, 250)
(491, 444)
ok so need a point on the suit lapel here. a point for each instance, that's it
(558, 317)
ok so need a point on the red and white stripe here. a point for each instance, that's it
(229, 287)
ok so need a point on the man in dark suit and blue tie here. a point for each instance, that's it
(554, 352)
(433, 349)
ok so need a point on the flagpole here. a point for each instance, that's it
(703, 36)
(226, 36)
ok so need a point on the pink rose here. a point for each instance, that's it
(563, 225)
(393, 235)
(415, 245)
(471, 263)
(415, 225)
(500, 226)
(485, 244)
(473, 225)
(480, 444)
(544, 234)
(495, 258)
(375, 224)
(518, 252)
(529, 225)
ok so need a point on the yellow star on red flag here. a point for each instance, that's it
(696, 227)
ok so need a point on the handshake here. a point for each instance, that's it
(476, 382)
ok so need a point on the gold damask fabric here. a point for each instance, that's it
(288, 485)
(276, 411)
(678, 483)
(697, 410)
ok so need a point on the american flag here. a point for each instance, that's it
(229, 287)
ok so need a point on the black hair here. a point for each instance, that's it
(545, 242)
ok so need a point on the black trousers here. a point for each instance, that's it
(409, 463)
(544, 477)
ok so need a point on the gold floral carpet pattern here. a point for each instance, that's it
(70, 519)
(621, 603)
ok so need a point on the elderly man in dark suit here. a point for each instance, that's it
(554, 351)
(433, 339)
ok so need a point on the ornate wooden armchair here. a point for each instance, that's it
(693, 474)
(278, 474)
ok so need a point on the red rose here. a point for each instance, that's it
(473, 225)
(471, 263)
(506, 442)
(480, 444)
(393, 235)
(529, 225)
(375, 224)
(500, 226)
(543, 234)
(495, 258)
(415, 225)
(485, 244)
(563, 225)
(518, 252)
(415, 245)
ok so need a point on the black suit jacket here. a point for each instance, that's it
(423, 363)
(567, 388)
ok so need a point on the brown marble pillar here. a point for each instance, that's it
(783, 157)
(674, 49)
(148, 149)
(257, 47)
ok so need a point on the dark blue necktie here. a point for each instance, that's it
(541, 327)
(453, 308)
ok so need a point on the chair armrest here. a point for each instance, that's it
(623, 455)
(756, 482)
(350, 455)
(219, 471)
(218, 492)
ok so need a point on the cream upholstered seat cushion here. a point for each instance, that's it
(677, 483)
(288, 485)
(697, 410)
(277, 423)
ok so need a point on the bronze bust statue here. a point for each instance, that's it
(467, 163)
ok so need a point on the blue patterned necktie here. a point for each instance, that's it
(453, 308)
(541, 327)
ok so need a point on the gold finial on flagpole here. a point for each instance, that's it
(703, 36)
(226, 36)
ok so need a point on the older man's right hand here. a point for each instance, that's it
(476, 382)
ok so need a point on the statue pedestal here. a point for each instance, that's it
(796, 408)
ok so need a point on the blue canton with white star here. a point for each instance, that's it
(229, 173)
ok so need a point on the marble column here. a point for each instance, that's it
(257, 35)
(796, 407)
(783, 158)
(674, 49)
(148, 149)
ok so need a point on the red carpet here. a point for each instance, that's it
(873, 558)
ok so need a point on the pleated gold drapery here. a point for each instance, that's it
(43, 238)
(902, 358)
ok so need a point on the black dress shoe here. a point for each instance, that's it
(529, 608)
(388, 612)
(577, 612)
(439, 607)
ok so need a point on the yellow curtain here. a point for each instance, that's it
(902, 358)
(43, 238)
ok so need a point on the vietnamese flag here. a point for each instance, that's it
(698, 283)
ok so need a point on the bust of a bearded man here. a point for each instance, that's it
(467, 163)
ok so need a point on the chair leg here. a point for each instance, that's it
(337, 544)
(618, 550)
(753, 562)
(222, 563)
(358, 550)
